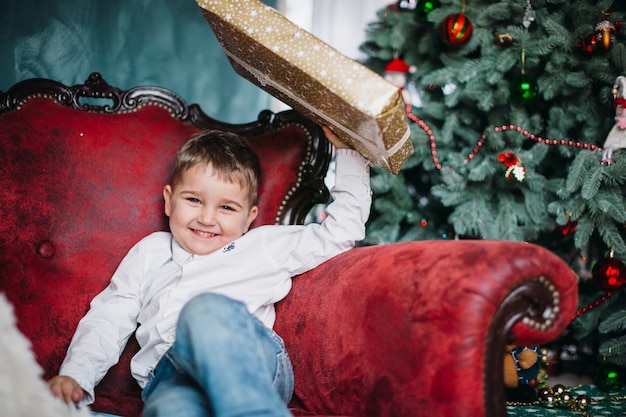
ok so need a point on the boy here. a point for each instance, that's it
(203, 294)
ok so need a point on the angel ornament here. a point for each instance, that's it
(616, 138)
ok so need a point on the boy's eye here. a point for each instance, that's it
(193, 200)
(227, 208)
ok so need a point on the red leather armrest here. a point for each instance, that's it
(400, 329)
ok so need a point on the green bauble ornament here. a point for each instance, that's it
(608, 377)
(423, 7)
(523, 89)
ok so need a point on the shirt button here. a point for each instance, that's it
(170, 338)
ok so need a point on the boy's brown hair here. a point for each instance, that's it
(229, 154)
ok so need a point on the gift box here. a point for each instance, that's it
(363, 109)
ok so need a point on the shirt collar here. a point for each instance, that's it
(180, 255)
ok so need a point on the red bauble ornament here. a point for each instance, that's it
(456, 29)
(608, 274)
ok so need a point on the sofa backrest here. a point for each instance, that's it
(82, 179)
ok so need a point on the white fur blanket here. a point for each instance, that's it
(23, 392)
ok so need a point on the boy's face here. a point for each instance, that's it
(207, 213)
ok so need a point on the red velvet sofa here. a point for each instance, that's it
(402, 330)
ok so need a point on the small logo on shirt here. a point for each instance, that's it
(229, 247)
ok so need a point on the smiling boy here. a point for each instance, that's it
(212, 203)
(201, 297)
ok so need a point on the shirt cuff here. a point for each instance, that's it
(350, 162)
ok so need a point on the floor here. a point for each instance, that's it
(602, 404)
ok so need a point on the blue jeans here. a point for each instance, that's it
(224, 362)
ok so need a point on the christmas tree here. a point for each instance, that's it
(510, 106)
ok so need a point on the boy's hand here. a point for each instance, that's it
(66, 388)
(332, 138)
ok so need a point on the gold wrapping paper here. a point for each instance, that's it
(362, 108)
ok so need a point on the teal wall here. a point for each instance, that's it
(130, 42)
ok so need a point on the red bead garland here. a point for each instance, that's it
(596, 303)
(531, 136)
(429, 131)
(498, 129)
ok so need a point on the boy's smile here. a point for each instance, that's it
(206, 211)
